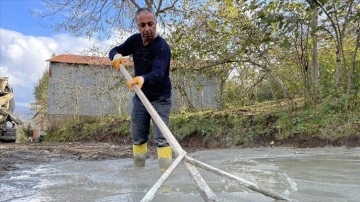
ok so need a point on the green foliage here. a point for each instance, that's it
(300, 123)
(41, 94)
(234, 95)
(229, 127)
(195, 123)
(326, 123)
(28, 130)
(250, 39)
(262, 50)
(332, 104)
(102, 128)
(23, 133)
(236, 128)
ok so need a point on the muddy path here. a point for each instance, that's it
(14, 154)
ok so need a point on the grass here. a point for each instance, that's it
(97, 128)
(233, 126)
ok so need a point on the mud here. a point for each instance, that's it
(15, 154)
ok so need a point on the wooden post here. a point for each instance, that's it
(151, 193)
(169, 136)
(203, 188)
(155, 116)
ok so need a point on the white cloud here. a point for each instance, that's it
(23, 58)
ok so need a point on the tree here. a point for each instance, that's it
(314, 53)
(224, 39)
(100, 17)
(41, 96)
(339, 14)
(350, 91)
(265, 44)
(311, 25)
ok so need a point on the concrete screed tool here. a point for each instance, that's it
(205, 191)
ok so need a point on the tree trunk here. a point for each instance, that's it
(314, 57)
(283, 87)
(185, 97)
(221, 93)
(351, 73)
(338, 67)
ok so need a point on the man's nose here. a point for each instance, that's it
(147, 27)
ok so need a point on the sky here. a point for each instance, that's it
(27, 42)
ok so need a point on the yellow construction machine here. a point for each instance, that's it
(8, 120)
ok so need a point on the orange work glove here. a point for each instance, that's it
(139, 80)
(117, 60)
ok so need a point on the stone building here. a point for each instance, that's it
(88, 86)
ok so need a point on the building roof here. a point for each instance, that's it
(82, 59)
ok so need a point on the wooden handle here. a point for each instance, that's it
(155, 116)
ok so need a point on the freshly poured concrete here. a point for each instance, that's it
(320, 174)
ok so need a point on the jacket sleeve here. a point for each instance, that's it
(124, 49)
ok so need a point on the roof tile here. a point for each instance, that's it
(82, 59)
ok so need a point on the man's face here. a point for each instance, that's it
(146, 24)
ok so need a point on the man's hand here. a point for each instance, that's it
(139, 80)
(117, 60)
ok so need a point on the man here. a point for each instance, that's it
(151, 55)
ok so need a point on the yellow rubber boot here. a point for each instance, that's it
(139, 152)
(165, 157)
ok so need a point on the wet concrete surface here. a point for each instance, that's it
(317, 174)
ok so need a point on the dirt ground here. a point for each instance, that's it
(15, 154)
(12, 155)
